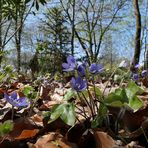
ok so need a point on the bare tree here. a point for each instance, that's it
(5, 23)
(137, 35)
(1, 27)
(18, 22)
(93, 19)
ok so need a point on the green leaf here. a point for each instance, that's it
(68, 115)
(122, 93)
(27, 90)
(56, 111)
(8, 69)
(6, 127)
(70, 93)
(135, 103)
(132, 90)
(65, 111)
(116, 104)
(1, 77)
(117, 98)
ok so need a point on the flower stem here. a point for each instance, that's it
(89, 105)
(82, 106)
(12, 115)
(94, 86)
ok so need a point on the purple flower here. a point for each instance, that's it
(137, 66)
(135, 77)
(96, 68)
(78, 84)
(70, 65)
(144, 73)
(15, 100)
(81, 70)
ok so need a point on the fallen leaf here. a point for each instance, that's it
(45, 93)
(20, 125)
(37, 119)
(133, 144)
(103, 140)
(131, 120)
(52, 140)
(27, 134)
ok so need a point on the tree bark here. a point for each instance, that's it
(137, 36)
(1, 46)
(18, 35)
(73, 27)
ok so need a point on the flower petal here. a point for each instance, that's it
(71, 59)
(81, 70)
(93, 68)
(144, 73)
(65, 65)
(23, 102)
(135, 77)
(14, 95)
(78, 84)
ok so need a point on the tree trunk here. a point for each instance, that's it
(1, 46)
(18, 48)
(19, 24)
(73, 27)
(17, 41)
(137, 36)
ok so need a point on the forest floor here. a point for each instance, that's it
(33, 130)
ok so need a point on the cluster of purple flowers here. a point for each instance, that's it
(136, 76)
(79, 83)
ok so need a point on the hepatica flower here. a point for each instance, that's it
(137, 66)
(144, 73)
(135, 77)
(70, 65)
(78, 84)
(96, 68)
(15, 100)
(81, 70)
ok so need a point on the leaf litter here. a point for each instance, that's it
(36, 132)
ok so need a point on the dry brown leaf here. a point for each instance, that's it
(19, 126)
(45, 93)
(131, 120)
(133, 144)
(27, 134)
(103, 140)
(52, 140)
(37, 119)
(56, 97)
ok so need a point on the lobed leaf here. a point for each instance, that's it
(70, 93)
(65, 111)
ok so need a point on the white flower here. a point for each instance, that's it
(123, 64)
